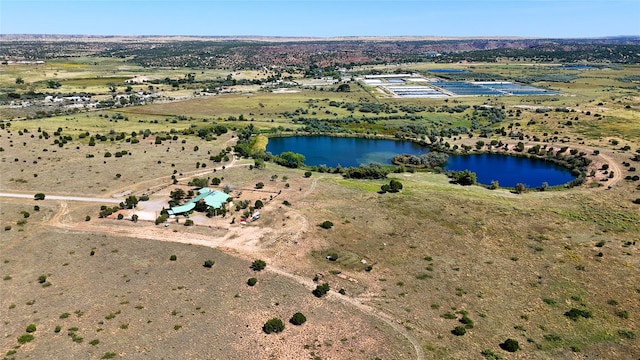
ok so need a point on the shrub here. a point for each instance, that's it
(321, 290)
(307, 174)
(7, 228)
(490, 355)
(274, 325)
(624, 314)
(459, 331)
(31, 328)
(510, 345)
(173, 258)
(468, 323)
(108, 355)
(259, 185)
(57, 329)
(120, 216)
(449, 315)
(39, 196)
(25, 338)
(574, 314)
(298, 319)
(252, 281)
(258, 265)
(87, 218)
(188, 222)
(209, 263)
(326, 225)
(627, 334)
(42, 279)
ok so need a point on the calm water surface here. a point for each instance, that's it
(334, 151)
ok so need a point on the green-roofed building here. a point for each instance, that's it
(215, 199)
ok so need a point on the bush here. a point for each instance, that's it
(259, 185)
(510, 345)
(459, 331)
(42, 279)
(321, 290)
(25, 338)
(173, 258)
(188, 222)
(258, 265)
(298, 319)
(274, 325)
(87, 218)
(307, 174)
(39, 196)
(574, 314)
(252, 281)
(209, 263)
(31, 328)
(326, 225)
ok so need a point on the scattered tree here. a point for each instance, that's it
(321, 290)
(298, 319)
(274, 325)
(208, 263)
(459, 331)
(39, 196)
(510, 345)
(258, 265)
(326, 225)
(252, 281)
(173, 258)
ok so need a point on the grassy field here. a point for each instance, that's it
(436, 255)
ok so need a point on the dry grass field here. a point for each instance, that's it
(412, 265)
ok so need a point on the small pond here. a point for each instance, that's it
(345, 151)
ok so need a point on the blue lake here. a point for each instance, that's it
(334, 151)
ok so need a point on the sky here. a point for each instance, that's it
(329, 18)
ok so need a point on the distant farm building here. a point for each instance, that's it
(215, 199)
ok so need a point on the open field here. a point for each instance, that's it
(412, 265)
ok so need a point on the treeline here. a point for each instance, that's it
(550, 52)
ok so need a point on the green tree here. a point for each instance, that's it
(131, 202)
(395, 185)
(459, 331)
(258, 265)
(343, 88)
(298, 319)
(209, 263)
(259, 204)
(307, 174)
(326, 224)
(510, 345)
(39, 196)
(274, 325)
(321, 290)
(291, 159)
(252, 281)
(259, 185)
(465, 177)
